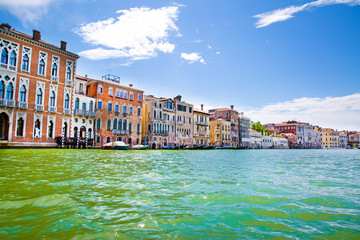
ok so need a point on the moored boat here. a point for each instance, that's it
(117, 145)
(139, 147)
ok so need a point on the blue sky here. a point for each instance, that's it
(274, 60)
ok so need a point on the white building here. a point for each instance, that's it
(256, 141)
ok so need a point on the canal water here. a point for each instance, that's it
(215, 194)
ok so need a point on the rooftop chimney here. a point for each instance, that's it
(202, 107)
(63, 45)
(86, 76)
(5, 26)
(130, 85)
(36, 35)
(232, 107)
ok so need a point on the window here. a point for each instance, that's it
(52, 99)
(130, 127)
(100, 89)
(9, 92)
(69, 69)
(4, 56)
(81, 87)
(160, 115)
(124, 109)
(39, 95)
(98, 123)
(50, 129)
(66, 102)
(190, 109)
(116, 108)
(99, 105)
(12, 58)
(139, 111)
(138, 128)
(20, 127)
(154, 113)
(37, 129)
(139, 97)
(121, 93)
(125, 94)
(120, 124)
(110, 91)
(84, 106)
(77, 103)
(131, 110)
(108, 125)
(110, 106)
(54, 68)
(42, 61)
(115, 123)
(131, 96)
(124, 124)
(117, 93)
(22, 93)
(91, 106)
(26, 59)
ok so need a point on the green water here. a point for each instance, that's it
(217, 194)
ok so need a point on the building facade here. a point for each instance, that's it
(329, 138)
(201, 127)
(184, 125)
(220, 133)
(36, 89)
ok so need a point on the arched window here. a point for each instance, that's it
(42, 67)
(108, 125)
(138, 128)
(52, 99)
(160, 115)
(99, 105)
(77, 103)
(115, 123)
(117, 93)
(124, 109)
(139, 97)
(98, 123)
(91, 106)
(20, 127)
(100, 89)
(54, 70)
(110, 91)
(121, 93)
(37, 130)
(125, 124)
(22, 93)
(25, 65)
(154, 113)
(50, 129)
(9, 92)
(131, 110)
(139, 111)
(68, 73)
(75, 132)
(110, 106)
(4, 56)
(12, 58)
(130, 126)
(2, 89)
(154, 127)
(116, 108)
(125, 94)
(120, 124)
(67, 100)
(131, 96)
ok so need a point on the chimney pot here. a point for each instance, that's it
(202, 107)
(86, 76)
(63, 45)
(130, 85)
(36, 35)
(232, 107)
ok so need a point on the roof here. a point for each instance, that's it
(201, 111)
(109, 82)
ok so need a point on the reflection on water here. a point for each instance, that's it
(217, 194)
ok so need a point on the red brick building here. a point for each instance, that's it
(118, 110)
(36, 86)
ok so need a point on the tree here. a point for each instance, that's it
(257, 126)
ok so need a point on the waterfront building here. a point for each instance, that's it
(343, 142)
(118, 110)
(280, 142)
(36, 89)
(184, 125)
(267, 142)
(220, 133)
(353, 138)
(244, 128)
(291, 139)
(255, 137)
(201, 127)
(158, 122)
(329, 138)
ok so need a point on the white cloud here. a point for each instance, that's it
(210, 47)
(192, 57)
(334, 112)
(138, 33)
(27, 10)
(279, 15)
(218, 53)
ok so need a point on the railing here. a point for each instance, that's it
(54, 79)
(3, 65)
(80, 92)
(39, 107)
(202, 123)
(120, 132)
(180, 122)
(22, 105)
(79, 112)
(7, 103)
(68, 82)
(52, 109)
(67, 111)
(92, 114)
(169, 109)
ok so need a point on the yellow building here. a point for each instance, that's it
(201, 127)
(220, 133)
(329, 138)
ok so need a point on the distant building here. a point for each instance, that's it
(36, 89)
(353, 138)
(255, 137)
(329, 138)
(184, 122)
(201, 127)
(343, 142)
(220, 130)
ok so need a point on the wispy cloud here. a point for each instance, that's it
(26, 10)
(279, 15)
(192, 57)
(137, 34)
(334, 112)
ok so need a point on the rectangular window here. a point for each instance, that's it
(190, 109)
(99, 105)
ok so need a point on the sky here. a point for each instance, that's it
(274, 60)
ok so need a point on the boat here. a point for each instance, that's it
(139, 147)
(195, 147)
(117, 145)
(208, 147)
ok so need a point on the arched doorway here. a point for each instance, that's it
(82, 132)
(4, 126)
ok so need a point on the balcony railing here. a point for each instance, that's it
(202, 123)
(79, 112)
(80, 92)
(180, 122)
(7, 103)
(169, 109)
(67, 111)
(92, 114)
(120, 132)
(54, 79)
(52, 109)
(68, 82)
(22, 105)
(39, 107)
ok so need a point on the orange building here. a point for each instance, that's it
(36, 86)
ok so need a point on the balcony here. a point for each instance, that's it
(7, 103)
(180, 122)
(80, 92)
(67, 111)
(169, 109)
(117, 113)
(79, 112)
(22, 105)
(125, 114)
(39, 107)
(92, 114)
(120, 132)
(68, 82)
(52, 109)
(202, 123)
(54, 79)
